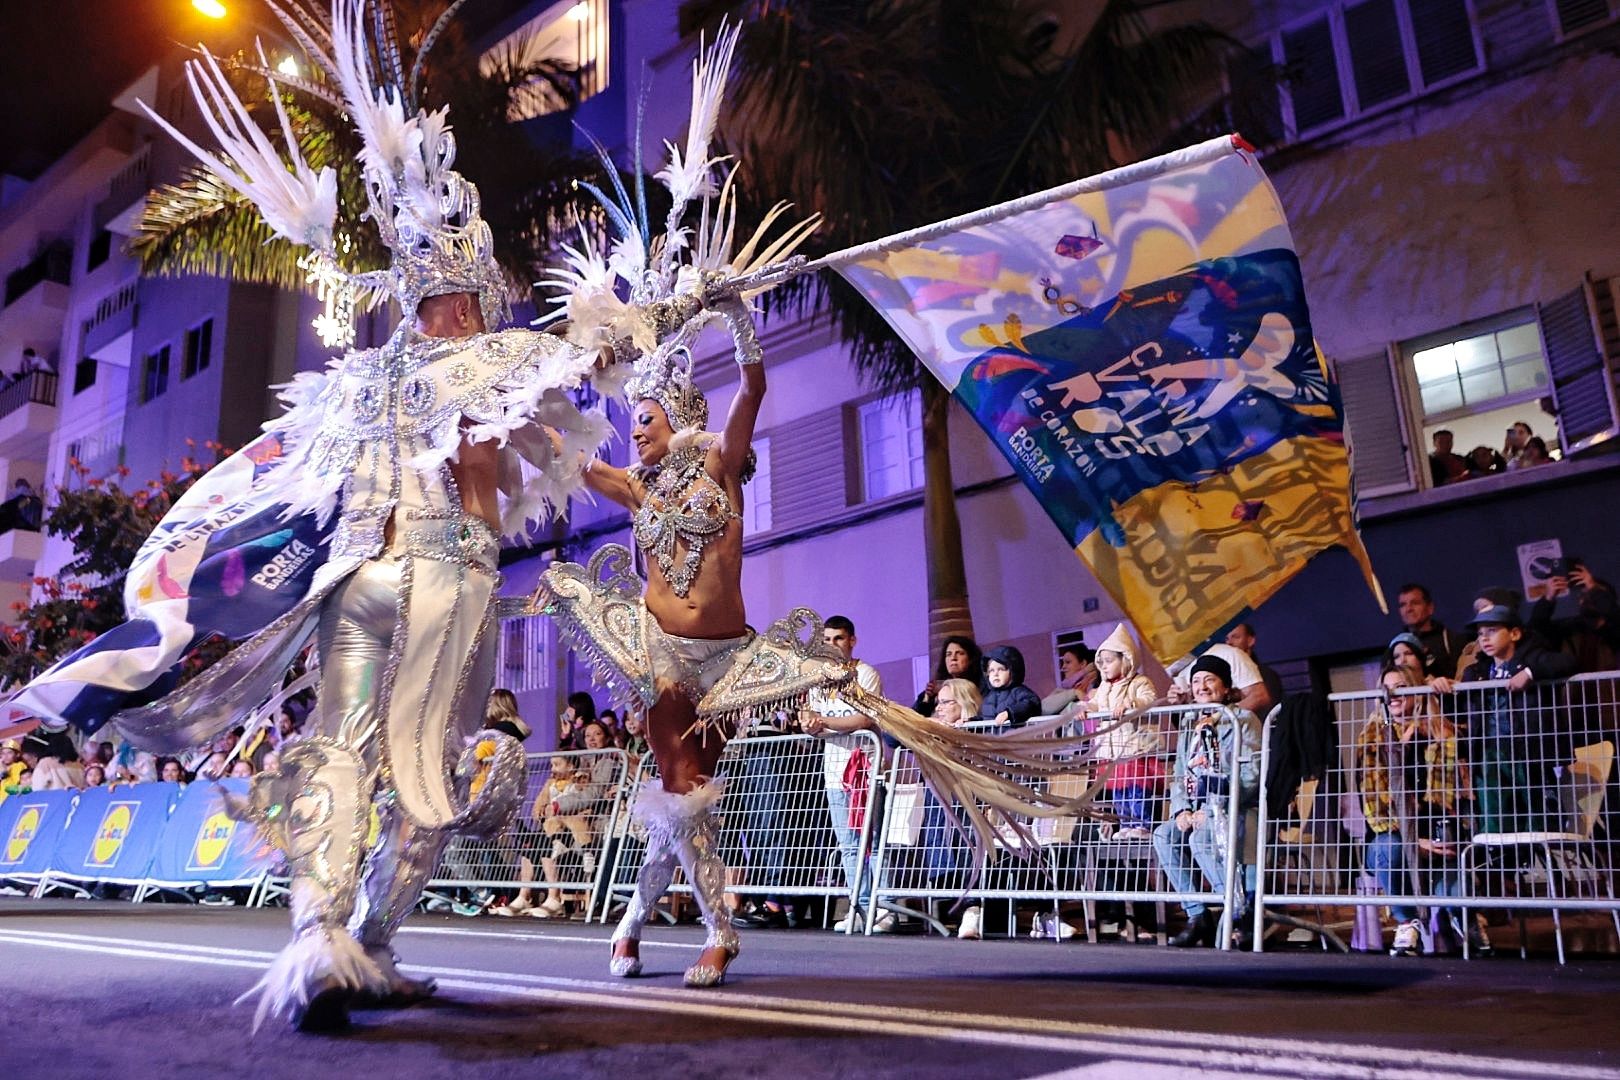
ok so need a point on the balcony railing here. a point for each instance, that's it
(31, 388)
(55, 263)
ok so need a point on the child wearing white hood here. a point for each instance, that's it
(1135, 746)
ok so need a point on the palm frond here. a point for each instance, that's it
(887, 115)
(200, 226)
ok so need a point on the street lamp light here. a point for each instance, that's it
(211, 8)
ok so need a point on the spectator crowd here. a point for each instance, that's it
(1432, 764)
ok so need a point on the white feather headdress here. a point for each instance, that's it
(426, 213)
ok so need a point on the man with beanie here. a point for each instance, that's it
(1212, 738)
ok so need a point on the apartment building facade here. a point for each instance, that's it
(1447, 167)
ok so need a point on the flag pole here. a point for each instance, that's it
(775, 274)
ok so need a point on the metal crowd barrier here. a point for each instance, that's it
(1439, 805)
(1106, 857)
(776, 828)
(564, 849)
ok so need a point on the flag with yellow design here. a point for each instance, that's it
(1138, 346)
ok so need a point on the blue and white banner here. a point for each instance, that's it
(30, 826)
(114, 833)
(221, 563)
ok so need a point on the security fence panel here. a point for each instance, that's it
(1112, 852)
(782, 818)
(1444, 800)
(556, 849)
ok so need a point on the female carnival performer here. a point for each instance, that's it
(368, 519)
(680, 642)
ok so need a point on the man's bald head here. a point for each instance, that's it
(450, 315)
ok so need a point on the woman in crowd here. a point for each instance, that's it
(945, 857)
(1077, 677)
(1416, 797)
(581, 710)
(501, 714)
(959, 658)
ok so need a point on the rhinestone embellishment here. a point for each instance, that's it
(417, 395)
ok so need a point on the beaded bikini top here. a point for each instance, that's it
(683, 504)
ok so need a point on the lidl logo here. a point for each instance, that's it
(213, 840)
(23, 832)
(110, 836)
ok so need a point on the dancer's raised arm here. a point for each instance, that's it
(738, 434)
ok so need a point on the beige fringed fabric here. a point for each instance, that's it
(994, 780)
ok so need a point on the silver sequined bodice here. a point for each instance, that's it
(683, 505)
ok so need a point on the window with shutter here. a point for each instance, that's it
(756, 513)
(1373, 427)
(1369, 54)
(1583, 390)
(1444, 36)
(1313, 75)
(1574, 15)
(1372, 30)
(808, 482)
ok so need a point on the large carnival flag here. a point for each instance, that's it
(223, 562)
(1137, 344)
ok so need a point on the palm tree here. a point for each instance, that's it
(885, 115)
(529, 194)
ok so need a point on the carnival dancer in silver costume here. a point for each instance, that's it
(380, 492)
(679, 644)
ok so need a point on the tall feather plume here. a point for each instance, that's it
(391, 141)
(312, 33)
(689, 175)
(295, 200)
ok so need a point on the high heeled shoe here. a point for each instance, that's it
(623, 967)
(701, 976)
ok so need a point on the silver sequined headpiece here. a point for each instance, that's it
(441, 242)
(665, 376)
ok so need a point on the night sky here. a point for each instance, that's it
(66, 59)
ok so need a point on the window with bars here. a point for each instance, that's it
(891, 446)
(154, 374)
(199, 348)
(756, 513)
(522, 655)
(1573, 16)
(1357, 57)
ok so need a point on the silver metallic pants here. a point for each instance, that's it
(354, 641)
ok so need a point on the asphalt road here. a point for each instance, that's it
(112, 990)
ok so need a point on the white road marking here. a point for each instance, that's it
(522, 935)
(1217, 1054)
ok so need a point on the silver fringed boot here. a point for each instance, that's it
(661, 815)
(396, 872)
(698, 847)
(315, 810)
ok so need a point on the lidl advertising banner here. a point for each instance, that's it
(114, 833)
(30, 826)
(203, 844)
